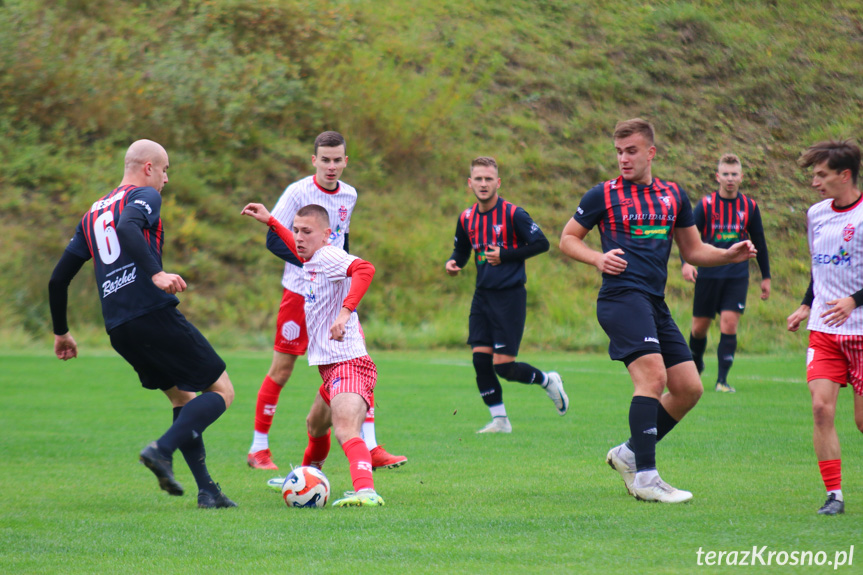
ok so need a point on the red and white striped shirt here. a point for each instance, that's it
(836, 245)
(339, 204)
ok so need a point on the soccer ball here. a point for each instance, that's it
(306, 487)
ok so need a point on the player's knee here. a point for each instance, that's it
(823, 412)
(505, 370)
(482, 362)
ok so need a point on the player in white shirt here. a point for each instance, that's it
(832, 303)
(333, 284)
(324, 188)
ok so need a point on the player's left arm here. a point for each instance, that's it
(361, 273)
(531, 239)
(759, 240)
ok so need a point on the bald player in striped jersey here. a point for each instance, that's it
(724, 218)
(334, 282)
(832, 302)
(324, 188)
(638, 217)
(503, 236)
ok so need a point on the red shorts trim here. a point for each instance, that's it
(292, 337)
(838, 358)
(357, 375)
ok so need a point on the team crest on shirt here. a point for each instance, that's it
(343, 213)
(665, 200)
(312, 276)
(848, 232)
(741, 214)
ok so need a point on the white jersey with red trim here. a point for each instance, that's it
(325, 287)
(836, 246)
(339, 205)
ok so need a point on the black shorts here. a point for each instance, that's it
(639, 324)
(167, 351)
(718, 295)
(497, 319)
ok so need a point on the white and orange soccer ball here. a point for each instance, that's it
(306, 487)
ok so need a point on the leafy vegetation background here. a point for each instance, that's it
(237, 90)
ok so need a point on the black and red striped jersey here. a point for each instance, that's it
(505, 225)
(724, 222)
(125, 293)
(640, 220)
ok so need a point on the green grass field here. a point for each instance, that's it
(541, 500)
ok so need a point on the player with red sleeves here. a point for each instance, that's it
(334, 284)
(832, 302)
(326, 189)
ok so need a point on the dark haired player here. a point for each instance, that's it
(724, 218)
(638, 216)
(832, 303)
(122, 232)
(502, 235)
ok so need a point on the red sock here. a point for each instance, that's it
(317, 451)
(831, 473)
(360, 462)
(268, 399)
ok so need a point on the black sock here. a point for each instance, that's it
(193, 419)
(664, 422)
(697, 347)
(486, 379)
(196, 458)
(642, 426)
(725, 352)
(520, 372)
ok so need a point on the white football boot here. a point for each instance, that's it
(554, 389)
(660, 491)
(499, 424)
(622, 460)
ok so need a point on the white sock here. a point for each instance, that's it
(646, 477)
(368, 434)
(498, 410)
(260, 441)
(544, 383)
(838, 493)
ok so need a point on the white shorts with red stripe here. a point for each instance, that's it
(357, 375)
(838, 358)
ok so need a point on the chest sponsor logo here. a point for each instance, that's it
(626, 203)
(727, 237)
(334, 235)
(480, 258)
(841, 258)
(651, 232)
(310, 295)
(848, 232)
(112, 286)
(343, 213)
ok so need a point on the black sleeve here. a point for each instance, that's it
(810, 293)
(346, 243)
(58, 289)
(756, 233)
(133, 243)
(858, 298)
(461, 246)
(533, 241)
(278, 247)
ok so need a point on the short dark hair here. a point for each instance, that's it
(330, 140)
(730, 159)
(315, 211)
(634, 126)
(486, 161)
(840, 155)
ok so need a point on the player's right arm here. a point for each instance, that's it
(461, 250)
(67, 267)
(284, 211)
(572, 244)
(260, 213)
